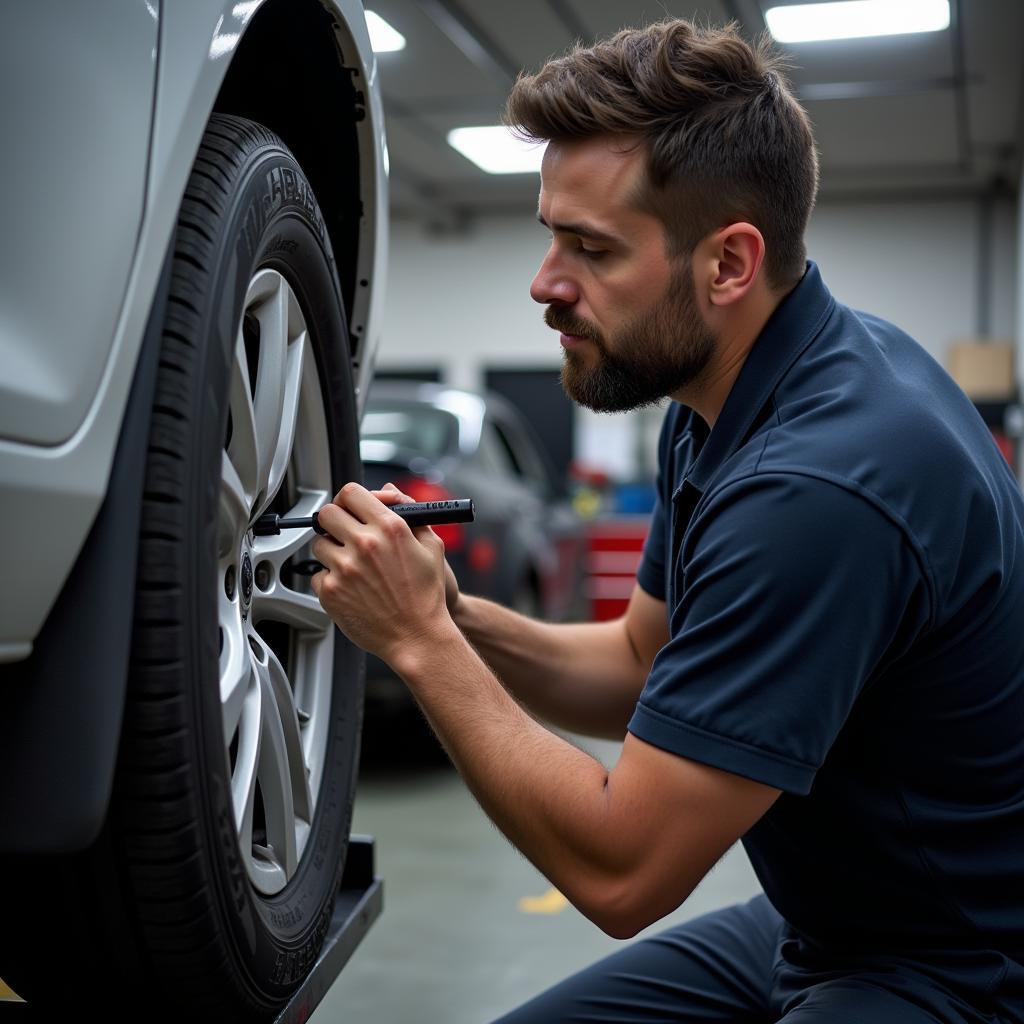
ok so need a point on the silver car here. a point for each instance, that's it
(193, 195)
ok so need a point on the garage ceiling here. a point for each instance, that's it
(938, 113)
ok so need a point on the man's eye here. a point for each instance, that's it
(592, 254)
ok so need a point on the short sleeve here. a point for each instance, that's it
(793, 588)
(650, 573)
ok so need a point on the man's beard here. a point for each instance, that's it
(652, 356)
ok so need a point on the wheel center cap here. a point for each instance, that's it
(246, 580)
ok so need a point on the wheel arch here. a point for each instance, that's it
(315, 82)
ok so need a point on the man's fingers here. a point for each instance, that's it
(338, 522)
(328, 518)
(354, 507)
(344, 498)
(389, 494)
(321, 549)
(360, 503)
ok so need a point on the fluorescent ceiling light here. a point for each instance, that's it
(383, 38)
(496, 150)
(853, 19)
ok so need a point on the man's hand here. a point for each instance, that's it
(451, 589)
(391, 495)
(383, 583)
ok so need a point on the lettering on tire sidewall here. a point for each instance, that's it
(283, 185)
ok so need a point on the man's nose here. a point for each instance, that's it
(552, 284)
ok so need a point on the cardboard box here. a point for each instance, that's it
(984, 369)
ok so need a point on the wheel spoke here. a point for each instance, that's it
(268, 302)
(275, 768)
(236, 678)
(234, 507)
(284, 700)
(242, 449)
(278, 548)
(296, 354)
(282, 604)
(243, 777)
(312, 679)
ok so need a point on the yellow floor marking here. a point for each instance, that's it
(6, 995)
(552, 902)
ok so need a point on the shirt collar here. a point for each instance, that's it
(790, 329)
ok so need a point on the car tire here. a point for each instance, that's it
(211, 886)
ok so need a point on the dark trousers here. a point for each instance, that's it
(744, 965)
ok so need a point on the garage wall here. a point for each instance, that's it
(461, 301)
(916, 264)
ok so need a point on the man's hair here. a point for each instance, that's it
(724, 137)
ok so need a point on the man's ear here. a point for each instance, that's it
(737, 252)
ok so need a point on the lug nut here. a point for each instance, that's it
(229, 583)
(264, 574)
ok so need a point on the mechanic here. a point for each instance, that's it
(824, 654)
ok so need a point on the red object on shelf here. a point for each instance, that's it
(1006, 446)
(614, 547)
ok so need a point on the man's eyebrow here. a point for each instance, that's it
(582, 229)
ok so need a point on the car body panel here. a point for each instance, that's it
(50, 493)
(57, 286)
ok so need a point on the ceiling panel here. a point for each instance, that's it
(530, 31)
(899, 127)
(462, 109)
(928, 55)
(604, 17)
(895, 131)
(431, 65)
(425, 153)
(993, 32)
(457, 166)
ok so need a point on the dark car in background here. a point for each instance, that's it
(527, 546)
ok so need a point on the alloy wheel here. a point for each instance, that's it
(277, 643)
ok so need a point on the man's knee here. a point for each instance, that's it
(887, 999)
(712, 968)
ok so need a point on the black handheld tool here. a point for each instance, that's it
(416, 513)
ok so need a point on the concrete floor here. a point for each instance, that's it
(456, 943)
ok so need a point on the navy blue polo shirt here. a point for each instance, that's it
(842, 558)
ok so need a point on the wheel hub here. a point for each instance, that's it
(246, 582)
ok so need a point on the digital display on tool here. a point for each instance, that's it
(415, 513)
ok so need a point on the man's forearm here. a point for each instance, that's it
(549, 798)
(584, 677)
